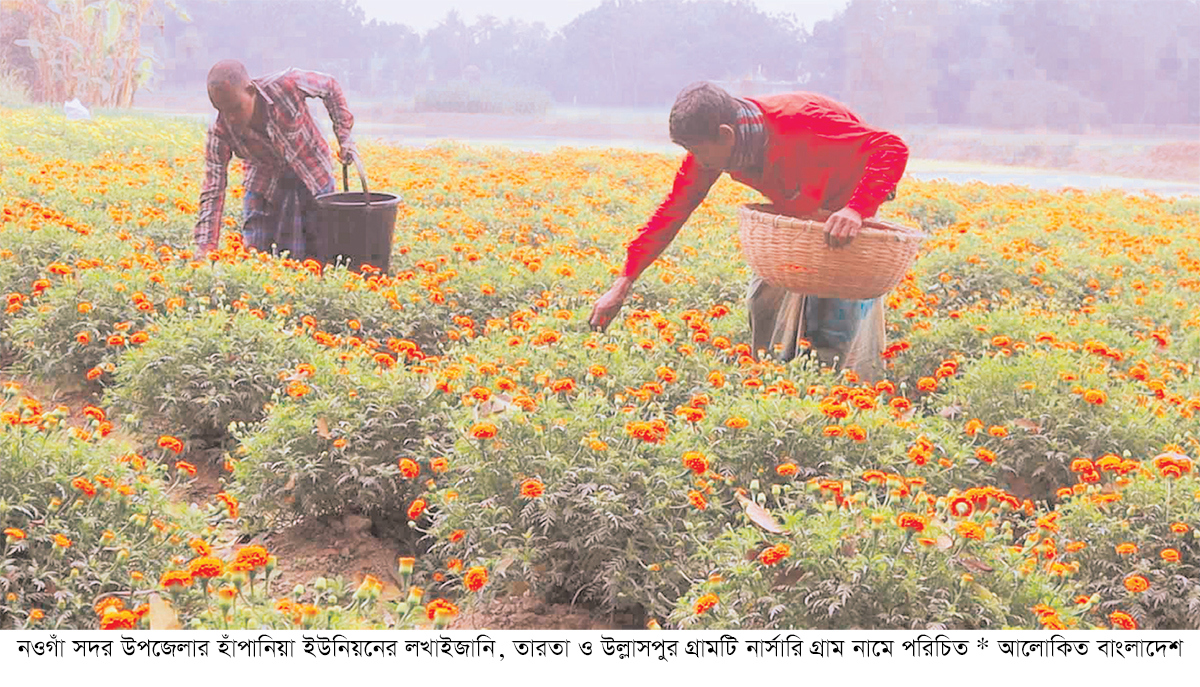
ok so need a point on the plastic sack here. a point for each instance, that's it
(75, 110)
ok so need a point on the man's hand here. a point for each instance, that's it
(347, 153)
(608, 305)
(841, 227)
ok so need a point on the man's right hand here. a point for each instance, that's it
(608, 305)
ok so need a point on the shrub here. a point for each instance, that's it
(82, 517)
(201, 372)
(333, 440)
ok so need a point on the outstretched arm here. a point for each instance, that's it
(692, 183)
(217, 152)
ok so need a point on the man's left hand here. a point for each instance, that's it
(841, 227)
(347, 153)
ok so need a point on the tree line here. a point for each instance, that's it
(1072, 64)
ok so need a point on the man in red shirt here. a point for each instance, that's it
(266, 122)
(808, 155)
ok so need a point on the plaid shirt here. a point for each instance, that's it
(292, 141)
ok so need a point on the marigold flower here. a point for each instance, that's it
(1095, 397)
(970, 530)
(445, 607)
(254, 556)
(856, 433)
(456, 536)
(184, 466)
(1122, 621)
(1179, 528)
(774, 554)
(1169, 555)
(532, 488)
(1126, 549)
(207, 567)
(483, 430)
(697, 499)
(597, 371)
(706, 602)
(696, 462)
(170, 443)
(833, 431)
(737, 422)
(927, 384)
(111, 602)
(84, 485)
(998, 431)
(118, 620)
(201, 547)
(786, 469)
(911, 521)
(416, 508)
(14, 534)
(175, 578)
(36, 615)
(475, 578)
(409, 469)
(985, 455)
(62, 542)
(116, 340)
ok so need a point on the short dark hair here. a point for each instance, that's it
(225, 74)
(699, 110)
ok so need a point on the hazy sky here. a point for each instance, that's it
(423, 15)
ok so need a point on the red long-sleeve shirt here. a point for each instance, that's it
(818, 155)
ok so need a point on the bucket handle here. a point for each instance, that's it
(362, 178)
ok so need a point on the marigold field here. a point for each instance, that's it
(1027, 463)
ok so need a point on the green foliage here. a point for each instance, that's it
(199, 373)
(333, 444)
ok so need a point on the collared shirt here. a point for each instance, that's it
(750, 141)
(292, 141)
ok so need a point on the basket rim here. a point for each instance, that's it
(762, 213)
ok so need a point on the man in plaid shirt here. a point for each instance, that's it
(266, 122)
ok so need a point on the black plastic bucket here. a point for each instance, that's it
(355, 229)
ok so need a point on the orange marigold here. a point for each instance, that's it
(774, 554)
(737, 423)
(416, 508)
(483, 430)
(170, 443)
(697, 499)
(207, 567)
(1122, 621)
(475, 578)
(705, 603)
(175, 578)
(911, 521)
(696, 462)
(532, 488)
(1127, 549)
(409, 469)
(254, 556)
(786, 469)
(1169, 555)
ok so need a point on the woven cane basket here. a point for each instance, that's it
(791, 253)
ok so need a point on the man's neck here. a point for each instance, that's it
(258, 120)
